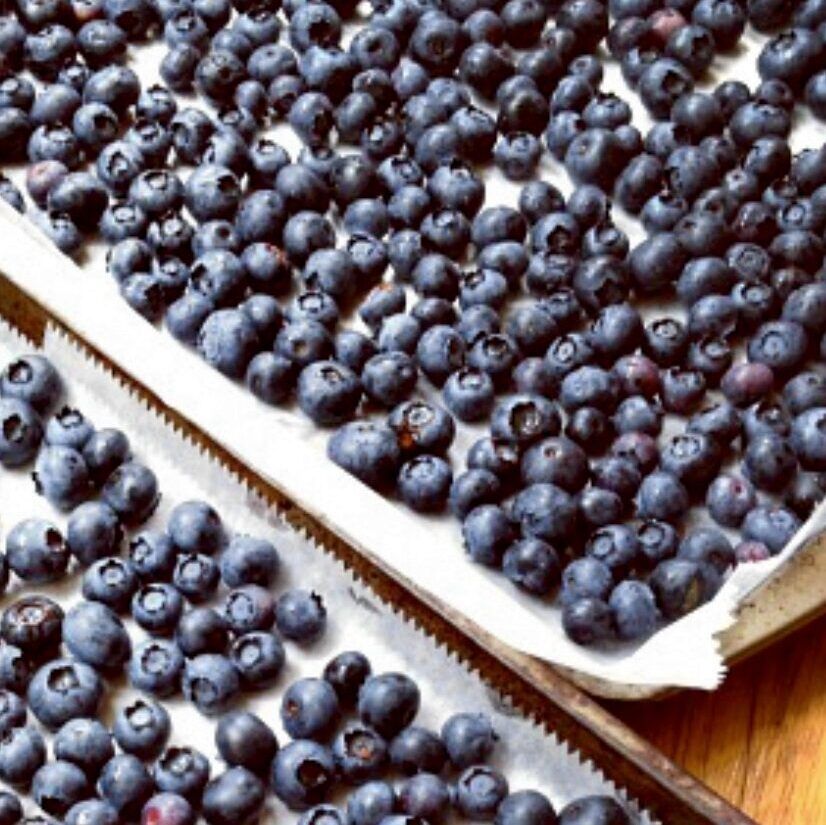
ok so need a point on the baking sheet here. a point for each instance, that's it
(290, 452)
(527, 755)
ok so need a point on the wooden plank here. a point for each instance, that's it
(758, 741)
(534, 688)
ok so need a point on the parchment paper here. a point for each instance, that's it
(529, 756)
(285, 448)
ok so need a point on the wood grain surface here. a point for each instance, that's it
(759, 741)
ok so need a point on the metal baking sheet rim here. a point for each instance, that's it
(793, 596)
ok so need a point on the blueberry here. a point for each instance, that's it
(126, 785)
(804, 493)
(91, 812)
(210, 682)
(157, 608)
(11, 811)
(236, 795)
(21, 432)
(142, 728)
(152, 555)
(243, 739)
(424, 483)
(36, 551)
(662, 496)
(183, 771)
(195, 527)
(111, 581)
(201, 630)
(86, 743)
(692, 457)
(558, 461)
(32, 379)
(769, 462)
(58, 785)
(95, 635)
(12, 711)
(545, 511)
(132, 492)
(587, 620)
(346, 673)
(479, 791)
(366, 450)
(258, 657)
(681, 585)
(371, 803)
(469, 394)
(359, 752)
(706, 545)
(303, 773)
(248, 608)
(487, 533)
(15, 669)
(745, 384)
(212, 192)
(33, 624)
(533, 565)
(523, 807)
(388, 702)
(599, 507)
(169, 808)
(807, 438)
(63, 690)
(22, 753)
(729, 498)
(469, 738)
(300, 615)
(594, 809)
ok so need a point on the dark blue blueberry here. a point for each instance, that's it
(21, 432)
(22, 753)
(371, 803)
(196, 576)
(86, 743)
(595, 809)
(142, 728)
(258, 657)
(236, 795)
(359, 752)
(303, 773)
(210, 682)
(126, 785)
(244, 740)
(12, 711)
(728, 499)
(662, 496)
(681, 585)
(95, 635)
(111, 581)
(201, 630)
(183, 771)
(424, 483)
(248, 608)
(157, 608)
(707, 546)
(152, 555)
(368, 451)
(156, 667)
(300, 615)
(104, 452)
(132, 492)
(59, 785)
(479, 792)
(64, 689)
(555, 460)
(36, 551)
(487, 533)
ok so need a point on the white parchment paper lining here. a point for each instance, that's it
(527, 754)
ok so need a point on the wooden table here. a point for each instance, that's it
(760, 740)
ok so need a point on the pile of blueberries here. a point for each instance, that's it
(523, 316)
(352, 733)
(352, 739)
